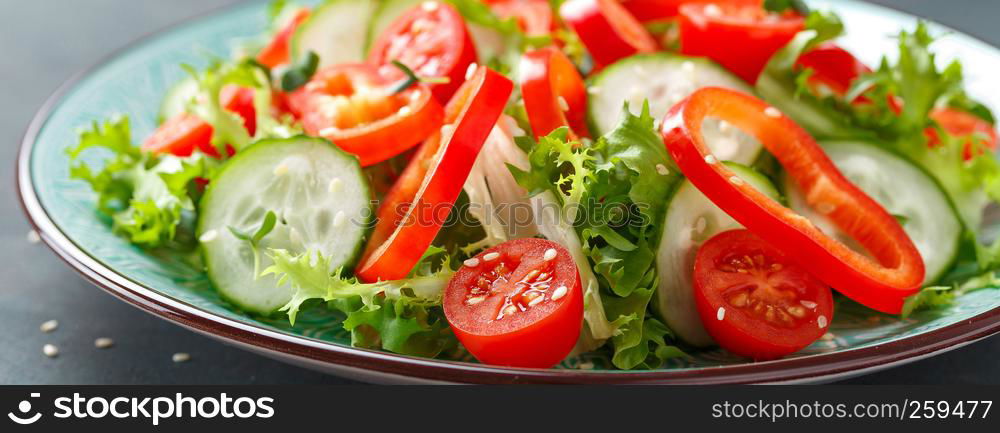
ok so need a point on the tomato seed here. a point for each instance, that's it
(475, 300)
(549, 254)
(798, 312)
(809, 304)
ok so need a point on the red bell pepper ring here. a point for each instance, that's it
(419, 203)
(554, 93)
(882, 283)
(607, 30)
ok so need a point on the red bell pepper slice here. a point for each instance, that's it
(554, 93)
(882, 283)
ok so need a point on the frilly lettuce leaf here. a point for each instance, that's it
(144, 194)
(392, 315)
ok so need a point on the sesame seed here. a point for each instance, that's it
(338, 219)
(33, 237)
(335, 185)
(736, 180)
(476, 300)
(208, 236)
(713, 10)
(429, 6)
(701, 224)
(563, 105)
(724, 126)
(772, 112)
(721, 314)
(489, 257)
(559, 293)
(586, 366)
(662, 169)
(103, 343)
(536, 301)
(594, 90)
(808, 304)
(687, 66)
(821, 322)
(181, 357)
(473, 262)
(405, 110)
(281, 169)
(531, 275)
(549, 254)
(50, 350)
(710, 159)
(327, 131)
(471, 70)
(49, 326)
(828, 337)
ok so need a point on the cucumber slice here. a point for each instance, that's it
(177, 98)
(319, 195)
(904, 190)
(691, 220)
(665, 79)
(387, 12)
(337, 31)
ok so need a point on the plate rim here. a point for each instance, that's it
(814, 368)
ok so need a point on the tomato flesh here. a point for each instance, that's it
(519, 304)
(607, 30)
(659, 10)
(533, 16)
(354, 106)
(740, 38)
(276, 52)
(182, 134)
(881, 283)
(415, 208)
(554, 93)
(978, 134)
(433, 41)
(754, 301)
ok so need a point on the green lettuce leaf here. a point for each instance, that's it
(393, 315)
(144, 194)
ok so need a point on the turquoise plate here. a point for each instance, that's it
(134, 79)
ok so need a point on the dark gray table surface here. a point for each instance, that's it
(42, 43)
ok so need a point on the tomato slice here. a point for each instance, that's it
(533, 16)
(754, 300)
(518, 304)
(276, 52)
(607, 30)
(354, 106)
(741, 38)
(981, 135)
(418, 204)
(880, 283)
(554, 93)
(183, 133)
(433, 41)
(660, 10)
(833, 67)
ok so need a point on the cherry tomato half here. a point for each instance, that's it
(419, 203)
(740, 38)
(276, 52)
(754, 301)
(607, 30)
(354, 106)
(182, 134)
(554, 93)
(433, 41)
(533, 16)
(518, 304)
(659, 10)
